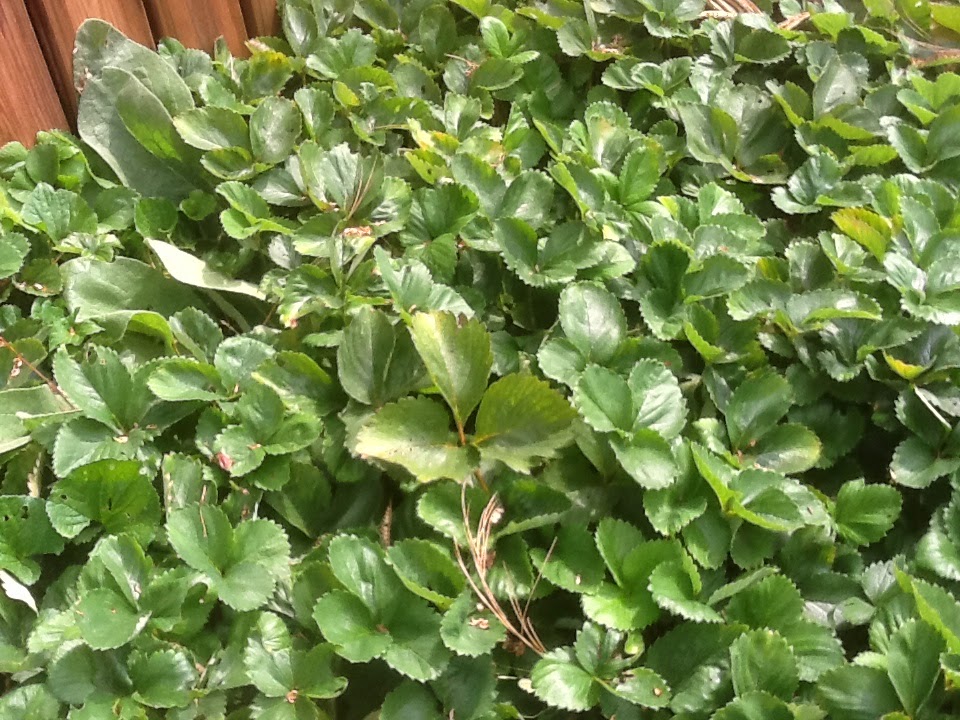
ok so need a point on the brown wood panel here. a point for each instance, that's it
(261, 16)
(198, 23)
(56, 23)
(28, 97)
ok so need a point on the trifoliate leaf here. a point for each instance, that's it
(116, 495)
(278, 670)
(242, 565)
(417, 650)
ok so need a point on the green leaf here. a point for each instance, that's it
(647, 458)
(522, 421)
(574, 563)
(129, 127)
(604, 400)
(658, 404)
(756, 406)
(242, 565)
(913, 663)
(274, 128)
(458, 358)
(560, 682)
(675, 586)
(415, 433)
(528, 198)
(412, 287)
(195, 272)
(100, 45)
(376, 360)
(277, 669)
(468, 631)
(916, 465)
(117, 495)
(865, 513)
(592, 320)
(426, 570)
(25, 532)
(363, 570)
(856, 692)
(237, 358)
(417, 650)
(642, 686)
(13, 251)
(787, 449)
(121, 290)
(755, 706)
(106, 620)
(410, 700)
(761, 660)
(212, 128)
(179, 380)
(58, 213)
(162, 679)
(97, 388)
(347, 623)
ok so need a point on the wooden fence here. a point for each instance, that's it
(36, 47)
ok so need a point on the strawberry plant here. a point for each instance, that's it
(472, 360)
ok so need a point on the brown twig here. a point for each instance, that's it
(386, 525)
(794, 21)
(23, 362)
(479, 545)
(937, 54)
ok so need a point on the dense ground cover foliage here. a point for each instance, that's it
(450, 360)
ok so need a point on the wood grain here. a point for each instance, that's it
(198, 23)
(56, 23)
(28, 97)
(261, 16)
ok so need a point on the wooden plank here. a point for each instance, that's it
(28, 97)
(198, 24)
(56, 23)
(262, 17)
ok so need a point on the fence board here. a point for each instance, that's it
(28, 97)
(261, 16)
(199, 24)
(56, 23)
